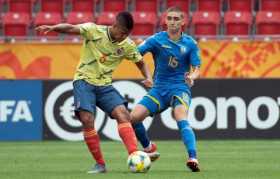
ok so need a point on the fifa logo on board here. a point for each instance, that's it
(15, 111)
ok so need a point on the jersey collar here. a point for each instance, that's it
(109, 36)
(111, 40)
(174, 40)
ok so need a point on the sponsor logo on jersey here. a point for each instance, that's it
(165, 46)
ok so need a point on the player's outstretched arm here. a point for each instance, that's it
(143, 67)
(60, 28)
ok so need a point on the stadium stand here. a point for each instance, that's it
(16, 24)
(79, 17)
(83, 6)
(269, 5)
(1, 5)
(209, 5)
(241, 5)
(21, 6)
(145, 23)
(238, 23)
(146, 6)
(268, 23)
(205, 23)
(114, 5)
(46, 18)
(183, 4)
(106, 18)
(56, 6)
(205, 17)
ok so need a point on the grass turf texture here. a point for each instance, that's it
(254, 159)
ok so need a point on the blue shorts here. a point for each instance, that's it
(159, 99)
(88, 96)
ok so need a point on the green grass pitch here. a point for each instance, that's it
(221, 159)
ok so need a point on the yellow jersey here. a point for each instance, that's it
(100, 56)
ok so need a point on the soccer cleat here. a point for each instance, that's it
(152, 152)
(97, 168)
(192, 163)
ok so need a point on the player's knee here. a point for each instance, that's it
(121, 114)
(134, 117)
(139, 113)
(179, 113)
(86, 119)
(124, 117)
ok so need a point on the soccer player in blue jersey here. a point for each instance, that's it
(177, 65)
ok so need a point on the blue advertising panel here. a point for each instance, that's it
(20, 110)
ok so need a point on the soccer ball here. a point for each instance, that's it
(139, 162)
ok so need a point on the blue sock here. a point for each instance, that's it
(188, 137)
(141, 134)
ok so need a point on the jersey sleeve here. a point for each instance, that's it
(87, 30)
(195, 55)
(132, 53)
(146, 46)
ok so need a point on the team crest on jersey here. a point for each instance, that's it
(120, 51)
(183, 49)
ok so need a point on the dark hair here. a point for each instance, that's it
(125, 19)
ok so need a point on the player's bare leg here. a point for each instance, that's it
(92, 140)
(138, 114)
(188, 137)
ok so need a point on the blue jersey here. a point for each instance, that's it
(172, 59)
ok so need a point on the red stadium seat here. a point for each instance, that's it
(183, 4)
(45, 18)
(24, 6)
(79, 17)
(106, 18)
(1, 5)
(144, 23)
(16, 24)
(209, 5)
(114, 5)
(146, 6)
(206, 23)
(56, 6)
(83, 5)
(268, 23)
(241, 5)
(238, 23)
(163, 24)
(269, 5)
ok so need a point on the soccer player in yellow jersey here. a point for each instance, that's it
(104, 47)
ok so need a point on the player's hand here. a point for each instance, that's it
(148, 83)
(44, 29)
(189, 80)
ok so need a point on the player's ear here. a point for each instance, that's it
(165, 19)
(114, 25)
(183, 23)
(183, 20)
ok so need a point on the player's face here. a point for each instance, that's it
(118, 33)
(174, 21)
